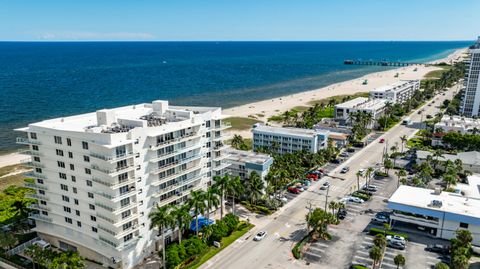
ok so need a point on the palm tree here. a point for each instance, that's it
(318, 220)
(441, 265)
(162, 218)
(68, 260)
(399, 260)
(234, 188)
(404, 140)
(38, 255)
(254, 187)
(182, 219)
(400, 173)
(7, 240)
(380, 241)
(438, 153)
(359, 175)
(237, 141)
(220, 184)
(211, 197)
(368, 175)
(375, 254)
(332, 205)
(198, 203)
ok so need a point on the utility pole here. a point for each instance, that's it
(326, 198)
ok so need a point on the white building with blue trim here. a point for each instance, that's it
(243, 163)
(440, 213)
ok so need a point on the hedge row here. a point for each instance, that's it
(375, 231)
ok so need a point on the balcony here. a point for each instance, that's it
(221, 166)
(176, 163)
(29, 163)
(39, 207)
(113, 184)
(36, 186)
(39, 217)
(117, 197)
(218, 137)
(183, 138)
(29, 152)
(175, 175)
(223, 126)
(117, 209)
(221, 157)
(26, 141)
(32, 174)
(36, 196)
(221, 147)
(179, 184)
(177, 196)
(115, 171)
(176, 152)
(112, 158)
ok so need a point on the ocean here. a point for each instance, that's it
(42, 80)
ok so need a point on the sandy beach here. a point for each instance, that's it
(275, 106)
(278, 105)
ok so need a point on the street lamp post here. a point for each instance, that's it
(326, 198)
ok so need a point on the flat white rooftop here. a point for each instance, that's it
(396, 86)
(422, 198)
(472, 188)
(287, 130)
(458, 121)
(353, 103)
(248, 156)
(373, 104)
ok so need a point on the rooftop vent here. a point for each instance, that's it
(436, 203)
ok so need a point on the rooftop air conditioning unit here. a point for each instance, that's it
(436, 203)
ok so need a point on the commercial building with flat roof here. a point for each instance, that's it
(440, 213)
(458, 124)
(375, 107)
(243, 163)
(284, 140)
(97, 176)
(470, 159)
(398, 92)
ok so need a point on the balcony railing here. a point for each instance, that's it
(32, 174)
(113, 171)
(176, 152)
(180, 184)
(177, 196)
(39, 207)
(26, 141)
(36, 186)
(29, 163)
(183, 138)
(40, 217)
(29, 152)
(36, 196)
(113, 184)
(221, 147)
(175, 175)
(221, 166)
(118, 196)
(176, 163)
(221, 157)
(223, 125)
(112, 157)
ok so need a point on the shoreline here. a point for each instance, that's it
(277, 105)
(264, 109)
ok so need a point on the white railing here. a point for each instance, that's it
(22, 247)
(26, 141)
(112, 157)
(113, 171)
(175, 140)
(175, 163)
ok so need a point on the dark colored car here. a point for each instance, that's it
(350, 150)
(437, 248)
(342, 213)
(337, 161)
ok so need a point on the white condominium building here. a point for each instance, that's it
(458, 124)
(99, 175)
(286, 140)
(470, 104)
(398, 92)
(243, 163)
(375, 107)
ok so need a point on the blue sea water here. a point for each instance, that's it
(41, 80)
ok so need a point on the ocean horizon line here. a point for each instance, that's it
(225, 41)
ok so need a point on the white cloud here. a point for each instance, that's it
(77, 36)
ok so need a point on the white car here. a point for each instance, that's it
(362, 171)
(396, 238)
(325, 185)
(355, 200)
(260, 235)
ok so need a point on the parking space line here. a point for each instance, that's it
(320, 244)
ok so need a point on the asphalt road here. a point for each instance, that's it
(287, 226)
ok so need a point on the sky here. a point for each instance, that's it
(230, 20)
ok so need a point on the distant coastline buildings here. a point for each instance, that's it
(470, 104)
(97, 176)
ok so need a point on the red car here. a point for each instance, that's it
(314, 177)
(293, 190)
(382, 140)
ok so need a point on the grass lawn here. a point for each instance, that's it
(328, 112)
(438, 73)
(338, 98)
(301, 108)
(16, 179)
(240, 123)
(212, 251)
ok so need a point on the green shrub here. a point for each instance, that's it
(231, 221)
(173, 255)
(357, 266)
(375, 231)
(193, 246)
(361, 196)
(297, 249)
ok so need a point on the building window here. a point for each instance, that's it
(69, 142)
(74, 179)
(43, 202)
(45, 213)
(38, 170)
(463, 225)
(59, 152)
(64, 187)
(90, 195)
(77, 212)
(79, 224)
(74, 190)
(125, 202)
(84, 145)
(33, 135)
(70, 155)
(36, 158)
(35, 147)
(58, 140)
(93, 218)
(127, 237)
(61, 164)
(75, 201)
(127, 225)
(125, 214)
(62, 175)
(72, 167)
(94, 229)
(88, 171)
(89, 183)
(42, 192)
(92, 207)
(40, 181)
(68, 220)
(86, 158)
(67, 209)
(65, 198)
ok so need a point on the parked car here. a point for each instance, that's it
(381, 219)
(362, 171)
(351, 150)
(419, 112)
(396, 238)
(293, 190)
(396, 245)
(325, 185)
(342, 213)
(438, 248)
(260, 235)
(382, 140)
(313, 177)
(371, 188)
(345, 170)
(344, 154)
(337, 161)
(429, 116)
(355, 200)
